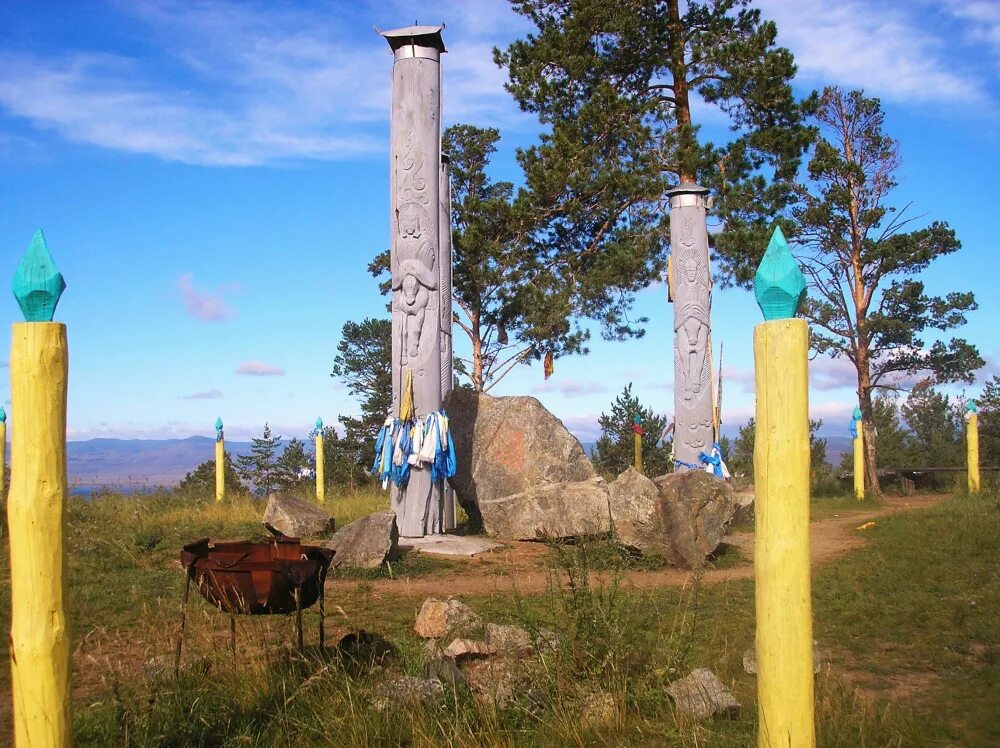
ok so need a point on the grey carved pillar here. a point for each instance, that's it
(691, 288)
(415, 251)
(447, 375)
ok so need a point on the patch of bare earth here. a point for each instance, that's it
(521, 566)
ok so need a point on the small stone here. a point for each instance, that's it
(467, 649)
(295, 518)
(701, 694)
(598, 708)
(496, 681)
(366, 543)
(408, 689)
(509, 639)
(439, 667)
(439, 617)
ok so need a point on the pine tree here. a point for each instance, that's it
(201, 480)
(989, 423)
(866, 300)
(616, 86)
(363, 363)
(258, 468)
(935, 437)
(614, 451)
(290, 466)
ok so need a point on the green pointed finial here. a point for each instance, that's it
(779, 285)
(3, 415)
(38, 284)
(218, 424)
(857, 413)
(319, 423)
(969, 406)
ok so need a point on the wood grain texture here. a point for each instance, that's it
(781, 558)
(972, 451)
(220, 469)
(36, 514)
(320, 474)
(859, 463)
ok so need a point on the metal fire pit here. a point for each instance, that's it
(275, 576)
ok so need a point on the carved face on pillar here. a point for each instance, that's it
(691, 368)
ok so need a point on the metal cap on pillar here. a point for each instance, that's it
(415, 41)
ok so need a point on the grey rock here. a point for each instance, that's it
(695, 510)
(744, 508)
(633, 502)
(439, 617)
(508, 639)
(366, 543)
(598, 708)
(508, 445)
(295, 518)
(750, 660)
(439, 667)
(408, 689)
(561, 510)
(701, 694)
(461, 650)
(501, 680)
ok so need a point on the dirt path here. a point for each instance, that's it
(522, 567)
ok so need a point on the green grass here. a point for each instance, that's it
(917, 608)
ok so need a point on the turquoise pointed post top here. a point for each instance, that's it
(218, 429)
(3, 415)
(970, 406)
(779, 285)
(38, 284)
(857, 413)
(319, 423)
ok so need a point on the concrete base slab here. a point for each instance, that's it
(450, 545)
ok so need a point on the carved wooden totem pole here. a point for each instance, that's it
(691, 291)
(416, 262)
(447, 372)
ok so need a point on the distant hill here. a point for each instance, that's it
(140, 461)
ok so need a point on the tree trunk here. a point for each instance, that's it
(682, 104)
(872, 484)
(477, 356)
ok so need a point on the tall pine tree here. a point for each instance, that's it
(866, 301)
(259, 468)
(614, 451)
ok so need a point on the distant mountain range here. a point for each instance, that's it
(137, 462)
(163, 462)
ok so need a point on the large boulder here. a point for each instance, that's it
(508, 445)
(695, 509)
(295, 518)
(561, 510)
(633, 501)
(366, 543)
(681, 516)
(439, 617)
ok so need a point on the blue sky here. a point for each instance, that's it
(212, 182)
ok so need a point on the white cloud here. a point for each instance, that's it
(204, 305)
(888, 49)
(259, 369)
(569, 387)
(826, 373)
(236, 84)
(585, 428)
(212, 394)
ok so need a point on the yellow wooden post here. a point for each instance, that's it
(36, 508)
(781, 473)
(3, 451)
(220, 461)
(972, 445)
(859, 456)
(637, 442)
(320, 478)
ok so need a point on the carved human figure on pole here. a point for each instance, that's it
(691, 291)
(414, 262)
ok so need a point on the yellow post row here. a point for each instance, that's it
(36, 514)
(972, 447)
(781, 556)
